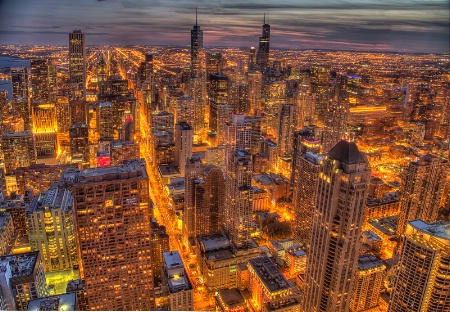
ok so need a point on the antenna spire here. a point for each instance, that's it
(268, 17)
(196, 16)
(264, 17)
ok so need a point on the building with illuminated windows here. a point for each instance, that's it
(176, 283)
(123, 150)
(63, 302)
(160, 245)
(20, 82)
(77, 64)
(368, 284)
(51, 228)
(266, 282)
(45, 129)
(218, 95)
(336, 229)
(287, 123)
(43, 80)
(6, 233)
(423, 276)
(18, 150)
(262, 56)
(105, 120)
(113, 218)
(79, 143)
(422, 190)
(184, 139)
(22, 279)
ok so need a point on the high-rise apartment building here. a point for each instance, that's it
(20, 82)
(77, 64)
(254, 81)
(51, 229)
(209, 200)
(185, 110)
(320, 86)
(251, 64)
(239, 198)
(184, 139)
(422, 280)
(18, 150)
(368, 283)
(113, 229)
(305, 184)
(422, 190)
(336, 229)
(105, 120)
(287, 123)
(6, 233)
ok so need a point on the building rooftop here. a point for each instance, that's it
(313, 158)
(21, 264)
(185, 126)
(282, 304)
(368, 261)
(54, 197)
(387, 226)
(64, 302)
(371, 236)
(269, 274)
(347, 152)
(8, 135)
(176, 275)
(440, 229)
(232, 298)
(75, 285)
(296, 251)
(374, 202)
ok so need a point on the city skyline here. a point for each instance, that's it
(403, 26)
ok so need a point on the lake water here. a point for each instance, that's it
(7, 62)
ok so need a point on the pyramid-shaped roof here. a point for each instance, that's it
(347, 152)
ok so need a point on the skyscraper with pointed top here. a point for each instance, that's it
(262, 57)
(196, 49)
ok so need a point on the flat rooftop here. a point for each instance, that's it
(54, 197)
(269, 274)
(64, 302)
(368, 261)
(21, 264)
(440, 229)
(134, 168)
(172, 259)
(232, 297)
(387, 226)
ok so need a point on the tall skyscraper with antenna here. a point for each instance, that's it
(196, 48)
(262, 57)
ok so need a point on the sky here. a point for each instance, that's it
(367, 25)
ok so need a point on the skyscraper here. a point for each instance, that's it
(262, 57)
(287, 123)
(422, 190)
(239, 198)
(43, 76)
(251, 59)
(184, 138)
(51, 229)
(336, 229)
(77, 64)
(197, 56)
(79, 143)
(218, 95)
(423, 276)
(44, 129)
(18, 150)
(20, 82)
(113, 224)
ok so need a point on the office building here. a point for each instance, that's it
(185, 110)
(6, 233)
(18, 150)
(105, 120)
(51, 228)
(121, 150)
(368, 284)
(422, 280)
(184, 139)
(63, 302)
(262, 56)
(78, 287)
(45, 129)
(230, 300)
(77, 64)
(176, 283)
(38, 177)
(320, 87)
(218, 95)
(160, 245)
(336, 229)
(197, 54)
(22, 279)
(254, 81)
(43, 80)
(79, 143)
(287, 124)
(266, 282)
(422, 190)
(20, 82)
(118, 278)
